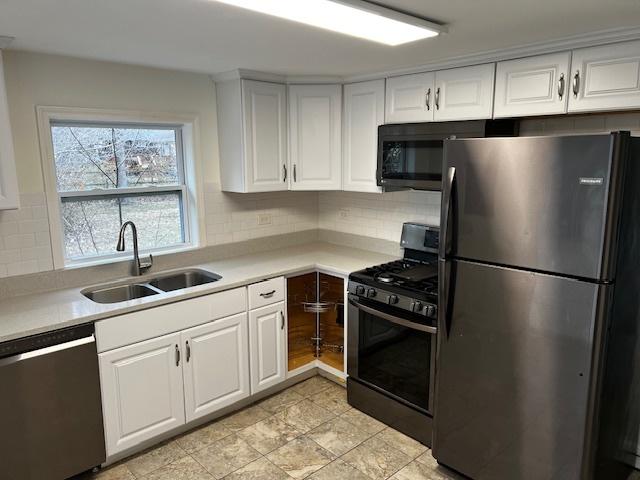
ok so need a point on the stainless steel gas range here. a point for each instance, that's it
(392, 336)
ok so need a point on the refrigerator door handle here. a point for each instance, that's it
(445, 235)
(446, 282)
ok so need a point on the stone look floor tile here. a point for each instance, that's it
(305, 415)
(154, 458)
(269, 434)
(312, 386)
(363, 421)
(202, 436)
(300, 457)
(402, 442)
(338, 436)
(333, 399)
(281, 401)
(184, 469)
(226, 456)
(376, 459)
(338, 470)
(261, 469)
(244, 418)
(115, 472)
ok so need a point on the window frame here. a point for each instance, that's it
(190, 187)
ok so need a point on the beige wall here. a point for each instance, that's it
(38, 79)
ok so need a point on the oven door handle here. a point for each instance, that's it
(393, 319)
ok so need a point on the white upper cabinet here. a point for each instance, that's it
(363, 113)
(605, 78)
(252, 126)
(532, 86)
(464, 93)
(410, 98)
(8, 180)
(315, 137)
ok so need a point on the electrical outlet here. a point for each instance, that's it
(343, 214)
(265, 219)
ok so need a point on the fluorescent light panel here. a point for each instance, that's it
(351, 17)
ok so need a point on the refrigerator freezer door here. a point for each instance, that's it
(537, 203)
(514, 365)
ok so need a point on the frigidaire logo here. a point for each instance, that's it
(591, 181)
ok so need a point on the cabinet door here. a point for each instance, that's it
(265, 135)
(315, 136)
(363, 113)
(410, 98)
(142, 391)
(605, 78)
(216, 365)
(8, 179)
(532, 86)
(267, 336)
(464, 93)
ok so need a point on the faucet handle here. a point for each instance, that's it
(146, 265)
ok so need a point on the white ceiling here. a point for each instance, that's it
(205, 36)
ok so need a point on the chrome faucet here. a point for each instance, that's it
(137, 268)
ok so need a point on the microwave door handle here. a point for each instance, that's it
(393, 319)
(445, 235)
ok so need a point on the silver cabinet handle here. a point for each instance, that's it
(561, 86)
(438, 98)
(428, 99)
(177, 356)
(576, 84)
(284, 169)
(188, 351)
(268, 294)
(281, 320)
(295, 175)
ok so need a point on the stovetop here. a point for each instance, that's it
(418, 279)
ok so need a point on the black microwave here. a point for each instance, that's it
(410, 155)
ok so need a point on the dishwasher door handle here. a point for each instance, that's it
(47, 350)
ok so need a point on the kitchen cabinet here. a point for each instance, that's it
(216, 365)
(464, 93)
(315, 306)
(268, 342)
(9, 197)
(315, 129)
(363, 113)
(142, 391)
(252, 127)
(532, 86)
(605, 78)
(409, 98)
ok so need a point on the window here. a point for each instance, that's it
(106, 173)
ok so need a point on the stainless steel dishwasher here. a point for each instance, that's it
(50, 406)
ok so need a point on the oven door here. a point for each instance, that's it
(391, 353)
(410, 161)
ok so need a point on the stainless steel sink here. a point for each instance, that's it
(184, 279)
(153, 286)
(120, 293)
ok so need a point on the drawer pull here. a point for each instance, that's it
(268, 294)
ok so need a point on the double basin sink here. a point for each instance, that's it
(153, 286)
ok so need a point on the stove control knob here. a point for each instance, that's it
(359, 290)
(371, 292)
(416, 307)
(393, 299)
(430, 310)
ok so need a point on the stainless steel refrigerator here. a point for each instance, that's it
(533, 268)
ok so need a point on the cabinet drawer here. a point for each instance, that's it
(266, 293)
(156, 321)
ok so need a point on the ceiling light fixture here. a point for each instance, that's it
(357, 18)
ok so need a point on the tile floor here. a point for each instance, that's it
(307, 431)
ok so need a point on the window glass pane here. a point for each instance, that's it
(91, 226)
(108, 157)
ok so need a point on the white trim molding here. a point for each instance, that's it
(194, 201)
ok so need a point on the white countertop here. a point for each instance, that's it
(42, 312)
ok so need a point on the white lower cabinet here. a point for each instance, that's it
(216, 365)
(142, 391)
(267, 332)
